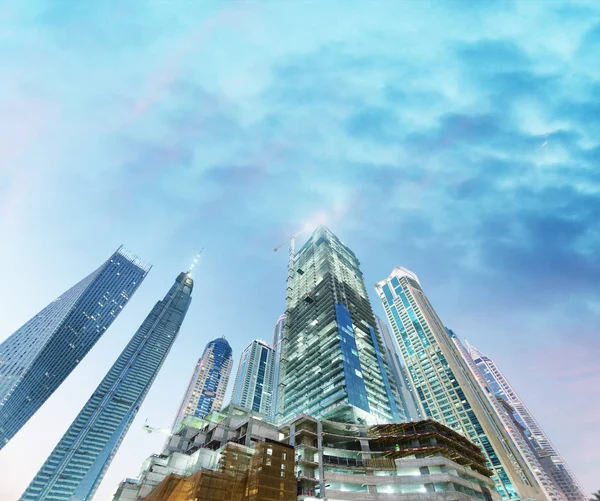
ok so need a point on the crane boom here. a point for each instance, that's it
(291, 239)
(150, 429)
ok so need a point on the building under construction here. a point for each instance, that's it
(235, 456)
(262, 473)
(198, 445)
(384, 462)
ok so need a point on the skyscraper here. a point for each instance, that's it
(405, 392)
(278, 332)
(512, 425)
(444, 385)
(332, 365)
(547, 455)
(206, 390)
(253, 388)
(38, 357)
(77, 464)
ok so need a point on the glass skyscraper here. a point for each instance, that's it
(332, 363)
(77, 464)
(405, 392)
(546, 454)
(278, 332)
(206, 390)
(39, 356)
(445, 386)
(253, 388)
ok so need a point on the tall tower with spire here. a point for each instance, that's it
(76, 466)
(512, 424)
(553, 464)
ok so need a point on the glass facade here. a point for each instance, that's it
(405, 392)
(558, 479)
(253, 388)
(77, 464)
(206, 390)
(444, 386)
(355, 384)
(38, 357)
(278, 333)
(330, 366)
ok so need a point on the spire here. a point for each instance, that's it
(194, 262)
(474, 352)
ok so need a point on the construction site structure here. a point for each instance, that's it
(236, 456)
(262, 473)
(421, 460)
(198, 445)
(272, 474)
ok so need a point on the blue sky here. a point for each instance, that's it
(458, 139)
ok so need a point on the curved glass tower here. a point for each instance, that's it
(76, 466)
(206, 390)
(38, 357)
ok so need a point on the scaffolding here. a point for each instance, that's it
(265, 473)
(426, 438)
(234, 465)
(173, 487)
(272, 474)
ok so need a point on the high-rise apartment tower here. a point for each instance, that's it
(277, 347)
(513, 426)
(332, 364)
(206, 390)
(37, 358)
(444, 385)
(405, 392)
(76, 466)
(253, 388)
(549, 458)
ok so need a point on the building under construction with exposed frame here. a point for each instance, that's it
(422, 460)
(262, 473)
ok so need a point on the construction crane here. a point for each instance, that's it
(292, 241)
(150, 429)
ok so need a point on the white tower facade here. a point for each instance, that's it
(253, 387)
(553, 464)
(444, 385)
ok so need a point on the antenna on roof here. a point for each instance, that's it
(195, 262)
